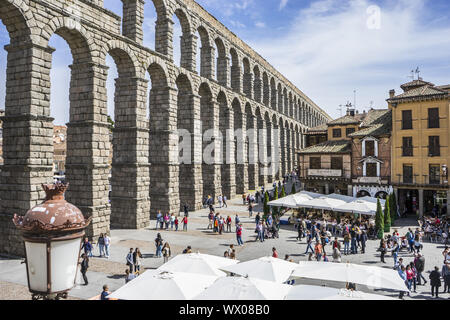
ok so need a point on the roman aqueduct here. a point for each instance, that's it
(238, 89)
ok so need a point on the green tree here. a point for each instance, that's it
(283, 192)
(293, 191)
(111, 124)
(393, 209)
(379, 221)
(275, 197)
(266, 206)
(387, 216)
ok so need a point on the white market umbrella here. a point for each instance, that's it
(200, 263)
(370, 276)
(265, 268)
(310, 194)
(287, 202)
(373, 200)
(307, 292)
(358, 206)
(290, 201)
(341, 197)
(242, 288)
(323, 203)
(162, 285)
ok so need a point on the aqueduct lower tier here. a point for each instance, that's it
(243, 91)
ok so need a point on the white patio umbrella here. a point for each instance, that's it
(162, 285)
(200, 263)
(370, 276)
(307, 292)
(291, 201)
(265, 268)
(341, 197)
(373, 200)
(243, 288)
(286, 202)
(359, 207)
(323, 203)
(311, 194)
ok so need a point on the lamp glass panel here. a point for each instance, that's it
(64, 260)
(37, 265)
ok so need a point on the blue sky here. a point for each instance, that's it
(327, 48)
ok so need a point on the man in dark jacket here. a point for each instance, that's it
(419, 263)
(363, 239)
(84, 265)
(435, 281)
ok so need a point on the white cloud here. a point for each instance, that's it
(329, 51)
(260, 24)
(283, 4)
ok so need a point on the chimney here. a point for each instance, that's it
(392, 93)
(352, 112)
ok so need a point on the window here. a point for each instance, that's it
(434, 150)
(371, 170)
(433, 118)
(370, 148)
(336, 163)
(349, 131)
(407, 173)
(337, 133)
(434, 171)
(406, 119)
(407, 147)
(314, 163)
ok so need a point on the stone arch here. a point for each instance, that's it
(190, 186)
(208, 112)
(252, 146)
(222, 74)
(17, 19)
(257, 86)
(186, 40)
(124, 58)
(226, 123)
(291, 105)
(280, 98)
(248, 78)
(236, 73)
(286, 102)
(74, 33)
(266, 90)
(273, 94)
(206, 53)
(240, 147)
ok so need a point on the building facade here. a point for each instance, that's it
(2, 113)
(371, 155)
(420, 146)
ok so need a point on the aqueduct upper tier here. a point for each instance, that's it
(235, 89)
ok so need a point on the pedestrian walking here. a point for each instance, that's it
(129, 260)
(158, 245)
(172, 221)
(419, 262)
(176, 223)
(137, 260)
(220, 200)
(186, 210)
(84, 265)
(346, 243)
(435, 281)
(225, 201)
(158, 219)
(87, 247)
(239, 235)
(228, 224)
(101, 245)
(107, 242)
(185, 223)
(382, 250)
(309, 239)
(166, 252)
(446, 276)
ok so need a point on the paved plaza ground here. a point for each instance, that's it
(111, 271)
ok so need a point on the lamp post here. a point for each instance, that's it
(52, 233)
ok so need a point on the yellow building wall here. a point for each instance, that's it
(420, 133)
(343, 129)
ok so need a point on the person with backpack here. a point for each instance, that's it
(419, 262)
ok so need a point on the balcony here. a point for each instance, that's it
(421, 180)
(371, 180)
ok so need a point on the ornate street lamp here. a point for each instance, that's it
(52, 233)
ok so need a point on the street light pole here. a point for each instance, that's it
(52, 233)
